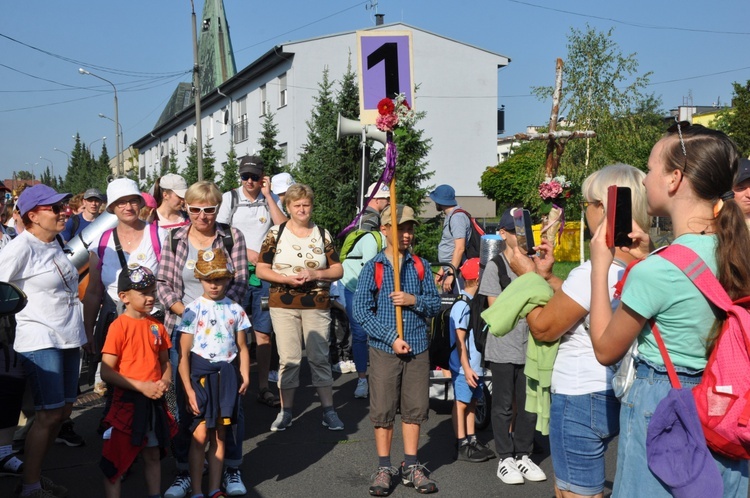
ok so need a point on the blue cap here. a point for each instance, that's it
(506, 221)
(444, 195)
(38, 195)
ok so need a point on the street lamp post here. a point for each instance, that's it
(52, 165)
(92, 143)
(117, 120)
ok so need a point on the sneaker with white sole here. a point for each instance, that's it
(362, 390)
(332, 421)
(530, 470)
(180, 487)
(508, 472)
(283, 420)
(232, 482)
(339, 367)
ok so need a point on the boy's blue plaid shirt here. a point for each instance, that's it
(377, 314)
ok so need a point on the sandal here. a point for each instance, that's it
(11, 466)
(266, 397)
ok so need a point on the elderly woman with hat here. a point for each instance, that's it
(49, 330)
(169, 193)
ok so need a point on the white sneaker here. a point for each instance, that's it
(232, 482)
(273, 376)
(180, 487)
(530, 470)
(339, 367)
(508, 472)
(350, 366)
(362, 390)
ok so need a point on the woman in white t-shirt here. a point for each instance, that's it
(49, 330)
(584, 415)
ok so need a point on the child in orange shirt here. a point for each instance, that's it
(135, 360)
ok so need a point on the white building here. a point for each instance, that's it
(457, 88)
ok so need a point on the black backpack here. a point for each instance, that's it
(479, 304)
(440, 335)
(473, 245)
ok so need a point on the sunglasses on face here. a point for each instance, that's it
(55, 208)
(199, 210)
(249, 176)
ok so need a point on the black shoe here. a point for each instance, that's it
(470, 453)
(482, 448)
(68, 436)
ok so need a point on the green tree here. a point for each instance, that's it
(191, 169)
(735, 121)
(514, 182)
(47, 179)
(24, 175)
(173, 166)
(270, 152)
(230, 174)
(79, 168)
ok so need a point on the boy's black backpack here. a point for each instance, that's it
(479, 304)
(8, 325)
(440, 332)
(473, 245)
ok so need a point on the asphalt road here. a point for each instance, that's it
(308, 459)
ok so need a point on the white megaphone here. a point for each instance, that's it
(77, 248)
(348, 127)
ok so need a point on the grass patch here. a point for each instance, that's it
(563, 268)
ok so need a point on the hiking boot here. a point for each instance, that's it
(283, 420)
(332, 421)
(508, 472)
(180, 487)
(530, 470)
(362, 390)
(232, 482)
(469, 453)
(40, 493)
(68, 436)
(49, 489)
(381, 482)
(483, 448)
(416, 476)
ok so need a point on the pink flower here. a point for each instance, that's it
(386, 122)
(550, 190)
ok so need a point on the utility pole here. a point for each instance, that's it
(197, 96)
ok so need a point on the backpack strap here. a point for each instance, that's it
(155, 242)
(233, 204)
(228, 238)
(379, 274)
(103, 241)
(502, 271)
(74, 224)
(673, 379)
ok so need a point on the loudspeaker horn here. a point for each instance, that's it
(346, 127)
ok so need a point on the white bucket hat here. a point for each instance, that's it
(119, 188)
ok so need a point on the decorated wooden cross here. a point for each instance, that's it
(552, 222)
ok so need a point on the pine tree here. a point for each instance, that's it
(76, 177)
(173, 166)
(230, 175)
(270, 152)
(191, 171)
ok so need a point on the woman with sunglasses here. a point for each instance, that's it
(49, 330)
(176, 286)
(169, 192)
(690, 176)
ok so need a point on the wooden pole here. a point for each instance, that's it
(396, 265)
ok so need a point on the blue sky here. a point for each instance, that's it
(693, 47)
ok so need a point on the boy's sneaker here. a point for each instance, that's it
(508, 472)
(232, 482)
(48, 490)
(530, 470)
(416, 476)
(180, 487)
(470, 453)
(68, 436)
(362, 390)
(283, 420)
(483, 448)
(332, 421)
(381, 482)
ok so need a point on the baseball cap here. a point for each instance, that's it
(119, 188)
(403, 214)
(676, 448)
(444, 195)
(175, 183)
(506, 221)
(743, 171)
(470, 269)
(93, 193)
(384, 192)
(137, 278)
(149, 200)
(281, 182)
(213, 265)
(251, 164)
(38, 195)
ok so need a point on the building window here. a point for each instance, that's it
(142, 175)
(264, 107)
(284, 154)
(210, 132)
(184, 140)
(224, 120)
(282, 90)
(240, 126)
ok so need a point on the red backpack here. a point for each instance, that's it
(723, 395)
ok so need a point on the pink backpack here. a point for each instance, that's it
(723, 395)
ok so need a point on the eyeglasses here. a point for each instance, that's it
(249, 176)
(199, 210)
(586, 204)
(678, 127)
(133, 201)
(55, 208)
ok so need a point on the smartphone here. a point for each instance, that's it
(524, 233)
(619, 216)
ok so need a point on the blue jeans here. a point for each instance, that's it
(52, 375)
(260, 319)
(633, 477)
(580, 429)
(359, 336)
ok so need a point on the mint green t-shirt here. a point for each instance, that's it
(657, 288)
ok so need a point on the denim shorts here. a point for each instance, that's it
(260, 319)
(462, 391)
(52, 375)
(633, 477)
(580, 429)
